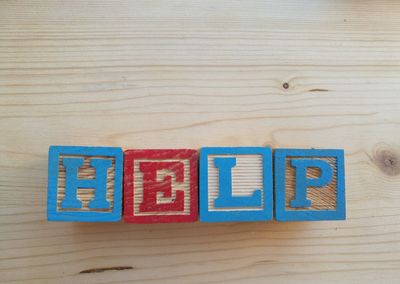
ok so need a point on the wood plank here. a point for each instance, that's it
(187, 74)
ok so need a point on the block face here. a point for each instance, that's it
(309, 185)
(235, 184)
(85, 184)
(160, 186)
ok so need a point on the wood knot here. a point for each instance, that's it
(387, 160)
(285, 85)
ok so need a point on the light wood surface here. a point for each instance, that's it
(186, 74)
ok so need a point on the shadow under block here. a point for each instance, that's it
(236, 184)
(309, 185)
(160, 186)
(84, 184)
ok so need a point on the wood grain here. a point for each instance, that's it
(186, 74)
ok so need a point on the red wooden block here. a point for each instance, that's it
(160, 186)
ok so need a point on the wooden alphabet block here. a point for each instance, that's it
(160, 186)
(236, 184)
(84, 184)
(309, 185)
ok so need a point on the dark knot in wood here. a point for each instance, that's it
(387, 159)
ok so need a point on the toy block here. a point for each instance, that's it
(309, 185)
(236, 184)
(84, 184)
(160, 186)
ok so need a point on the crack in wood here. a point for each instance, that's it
(102, 269)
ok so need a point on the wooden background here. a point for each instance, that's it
(188, 74)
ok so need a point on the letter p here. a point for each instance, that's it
(303, 182)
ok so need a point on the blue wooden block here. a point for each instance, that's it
(84, 184)
(309, 185)
(236, 184)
